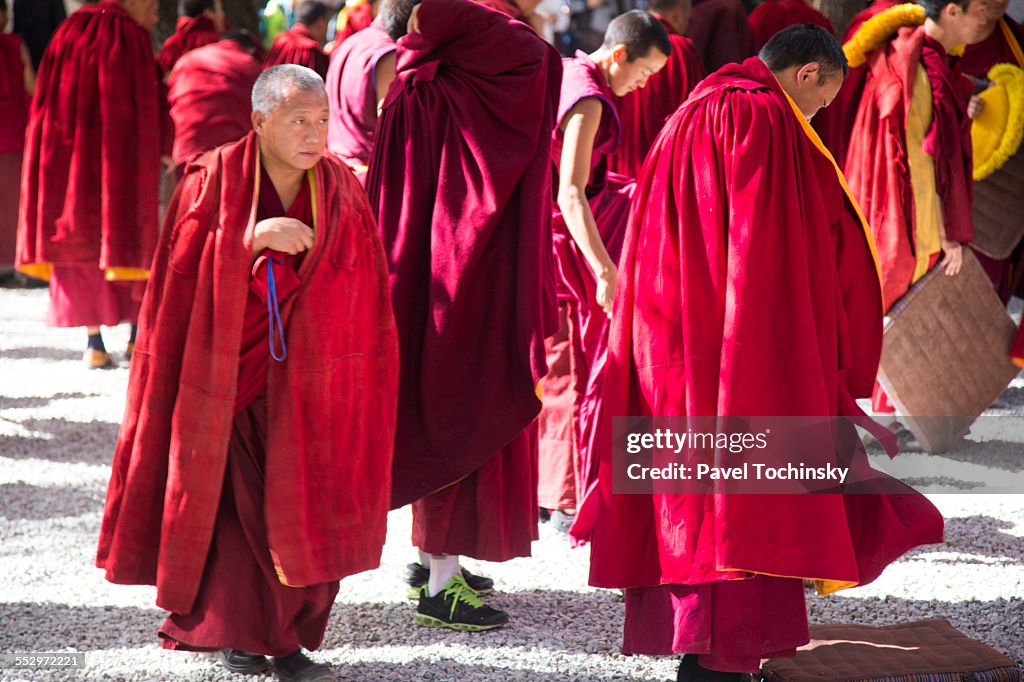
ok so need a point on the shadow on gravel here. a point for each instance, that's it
(450, 670)
(53, 627)
(40, 401)
(24, 502)
(41, 353)
(88, 442)
(964, 534)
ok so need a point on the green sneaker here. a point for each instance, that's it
(457, 607)
(416, 576)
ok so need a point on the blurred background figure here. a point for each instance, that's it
(17, 81)
(35, 21)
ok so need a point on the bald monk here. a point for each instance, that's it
(917, 191)
(720, 32)
(643, 112)
(459, 171)
(250, 475)
(17, 82)
(303, 43)
(210, 93)
(201, 23)
(743, 216)
(592, 206)
(772, 16)
(88, 216)
(361, 71)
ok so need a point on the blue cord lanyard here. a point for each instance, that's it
(274, 313)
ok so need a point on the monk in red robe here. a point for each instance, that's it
(201, 23)
(210, 94)
(303, 43)
(251, 475)
(88, 215)
(772, 16)
(358, 78)
(916, 191)
(643, 112)
(355, 16)
(17, 82)
(459, 171)
(720, 32)
(592, 206)
(766, 302)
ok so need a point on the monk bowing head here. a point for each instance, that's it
(809, 64)
(957, 23)
(289, 115)
(144, 12)
(636, 46)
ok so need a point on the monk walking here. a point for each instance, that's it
(253, 467)
(303, 43)
(744, 218)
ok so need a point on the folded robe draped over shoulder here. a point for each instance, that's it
(297, 46)
(330, 404)
(460, 180)
(189, 33)
(706, 334)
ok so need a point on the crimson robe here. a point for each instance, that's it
(352, 20)
(353, 96)
(979, 58)
(878, 173)
(329, 416)
(508, 7)
(296, 46)
(459, 176)
(88, 210)
(747, 286)
(14, 102)
(772, 16)
(210, 93)
(720, 32)
(643, 111)
(609, 195)
(189, 33)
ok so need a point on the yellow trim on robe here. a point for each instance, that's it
(822, 586)
(41, 271)
(927, 209)
(126, 275)
(1011, 40)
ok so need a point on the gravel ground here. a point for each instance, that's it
(58, 424)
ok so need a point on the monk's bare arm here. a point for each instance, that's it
(580, 128)
(30, 73)
(286, 235)
(383, 74)
(953, 255)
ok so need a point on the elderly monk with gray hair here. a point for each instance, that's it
(253, 467)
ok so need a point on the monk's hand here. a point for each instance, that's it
(286, 235)
(168, 164)
(975, 106)
(414, 20)
(953, 257)
(606, 279)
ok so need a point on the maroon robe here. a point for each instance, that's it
(92, 160)
(458, 175)
(210, 93)
(772, 16)
(720, 32)
(740, 209)
(643, 112)
(296, 46)
(326, 488)
(189, 33)
(14, 102)
(609, 195)
(352, 92)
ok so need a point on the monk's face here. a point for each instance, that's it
(625, 76)
(295, 132)
(144, 12)
(808, 89)
(996, 9)
(966, 26)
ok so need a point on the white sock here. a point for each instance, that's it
(442, 568)
(424, 559)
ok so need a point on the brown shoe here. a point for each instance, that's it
(97, 359)
(128, 350)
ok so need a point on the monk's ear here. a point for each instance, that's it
(257, 120)
(619, 54)
(809, 74)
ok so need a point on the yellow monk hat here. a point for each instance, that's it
(997, 131)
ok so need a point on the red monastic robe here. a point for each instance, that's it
(459, 176)
(92, 160)
(739, 209)
(352, 20)
(296, 46)
(508, 7)
(835, 123)
(328, 422)
(190, 33)
(879, 174)
(772, 16)
(210, 93)
(720, 32)
(609, 195)
(643, 112)
(14, 102)
(352, 92)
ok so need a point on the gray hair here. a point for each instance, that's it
(273, 84)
